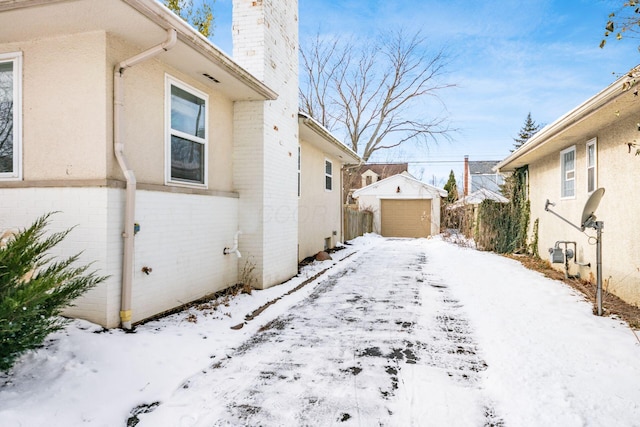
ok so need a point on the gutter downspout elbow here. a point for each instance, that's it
(129, 175)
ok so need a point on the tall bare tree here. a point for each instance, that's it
(375, 91)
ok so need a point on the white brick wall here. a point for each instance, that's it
(182, 239)
(266, 136)
(88, 210)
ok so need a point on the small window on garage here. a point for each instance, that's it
(328, 175)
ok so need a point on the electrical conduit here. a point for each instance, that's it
(118, 147)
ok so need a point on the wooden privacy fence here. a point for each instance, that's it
(356, 223)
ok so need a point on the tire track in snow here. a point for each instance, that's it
(452, 347)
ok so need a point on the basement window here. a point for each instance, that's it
(186, 134)
(10, 115)
(568, 172)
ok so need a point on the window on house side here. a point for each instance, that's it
(10, 115)
(186, 134)
(592, 178)
(328, 175)
(369, 179)
(568, 168)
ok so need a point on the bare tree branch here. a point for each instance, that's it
(375, 93)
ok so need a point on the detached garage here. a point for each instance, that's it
(402, 206)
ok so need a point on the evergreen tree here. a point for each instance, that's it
(34, 289)
(529, 129)
(452, 188)
(201, 18)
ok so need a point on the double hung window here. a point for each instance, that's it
(568, 168)
(10, 115)
(592, 177)
(328, 175)
(186, 134)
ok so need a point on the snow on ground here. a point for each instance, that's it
(395, 332)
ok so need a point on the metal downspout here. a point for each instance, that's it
(118, 147)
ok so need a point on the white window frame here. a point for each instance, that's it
(328, 175)
(565, 173)
(172, 81)
(16, 173)
(592, 143)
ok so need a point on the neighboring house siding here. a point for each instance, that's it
(319, 214)
(618, 209)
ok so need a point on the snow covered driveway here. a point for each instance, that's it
(393, 333)
(424, 333)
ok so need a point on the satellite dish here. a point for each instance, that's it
(588, 217)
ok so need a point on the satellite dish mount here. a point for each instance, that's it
(588, 220)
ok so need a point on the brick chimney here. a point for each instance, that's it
(265, 42)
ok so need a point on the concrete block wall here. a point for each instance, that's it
(265, 37)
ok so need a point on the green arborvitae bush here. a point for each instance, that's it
(34, 289)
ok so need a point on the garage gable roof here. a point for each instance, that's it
(408, 185)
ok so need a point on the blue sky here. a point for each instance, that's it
(508, 58)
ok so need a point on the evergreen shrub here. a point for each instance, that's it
(35, 288)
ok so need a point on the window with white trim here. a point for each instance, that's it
(10, 115)
(328, 175)
(568, 169)
(186, 135)
(592, 161)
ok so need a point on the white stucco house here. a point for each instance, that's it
(592, 146)
(402, 206)
(320, 214)
(159, 148)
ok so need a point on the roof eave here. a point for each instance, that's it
(610, 93)
(166, 19)
(194, 54)
(349, 156)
